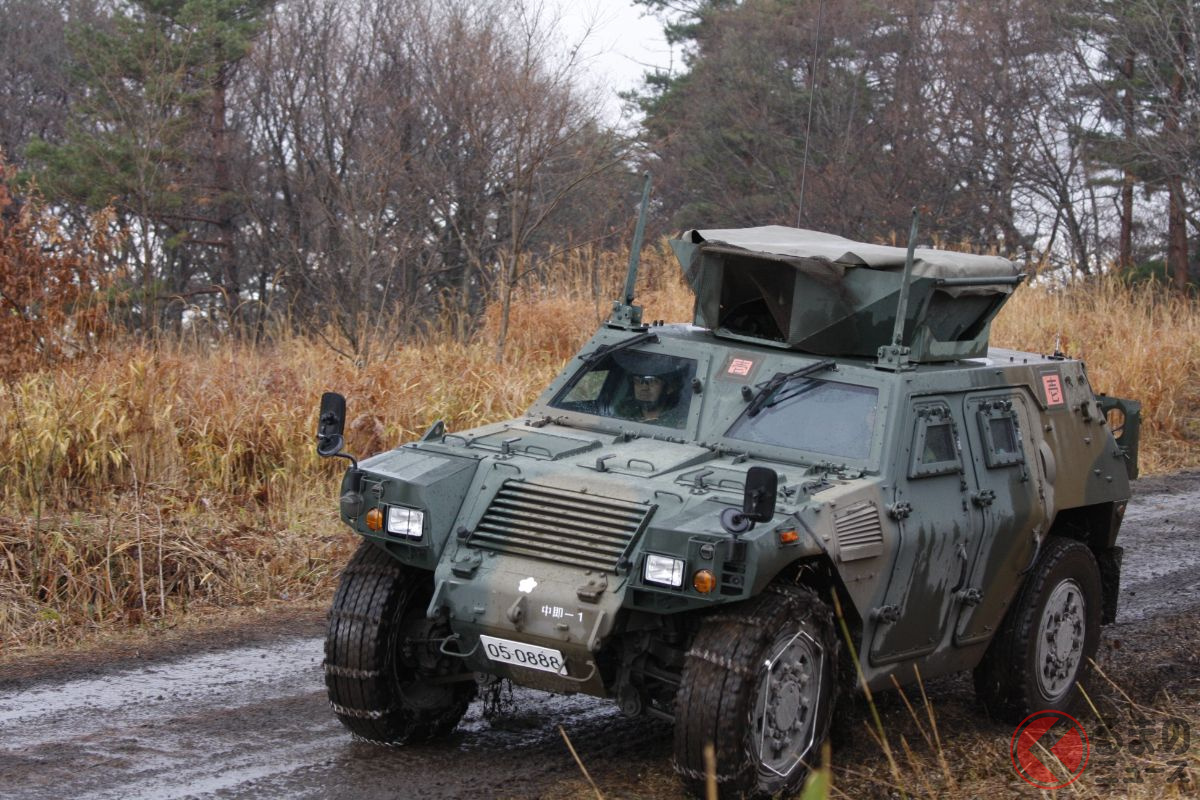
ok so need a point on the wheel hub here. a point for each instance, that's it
(419, 663)
(1060, 640)
(786, 707)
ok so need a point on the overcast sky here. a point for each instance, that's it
(621, 46)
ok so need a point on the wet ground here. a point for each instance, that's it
(249, 719)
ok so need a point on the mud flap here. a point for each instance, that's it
(1109, 560)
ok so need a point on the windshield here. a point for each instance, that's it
(651, 388)
(826, 417)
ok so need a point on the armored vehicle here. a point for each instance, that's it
(687, 515)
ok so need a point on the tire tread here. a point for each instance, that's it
(1003, 681)
(716, 695)
(371, 598)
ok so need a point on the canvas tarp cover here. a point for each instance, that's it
(826, 256)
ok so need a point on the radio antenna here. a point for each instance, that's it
(812, 91)
(625, 314)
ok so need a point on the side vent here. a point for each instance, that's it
(859, 531)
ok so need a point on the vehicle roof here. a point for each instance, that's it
(805, 244)
(997, 356)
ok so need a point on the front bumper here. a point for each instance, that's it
(570, 611)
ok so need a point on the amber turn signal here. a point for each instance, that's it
(788, 537)
(375, 519)
(704, 581)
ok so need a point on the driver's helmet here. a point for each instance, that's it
(653, 366)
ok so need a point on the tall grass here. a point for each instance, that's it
(1140, 342)
(147, 480)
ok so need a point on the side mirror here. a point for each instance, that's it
(762, 486)
(330, 424)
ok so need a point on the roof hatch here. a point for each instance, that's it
(823, 294)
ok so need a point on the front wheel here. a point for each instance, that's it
(388, 681)
(757, 685)
(1042, 651)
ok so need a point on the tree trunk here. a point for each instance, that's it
(222, 190)
(1177, 245)
(1125, 256)
(508, 276)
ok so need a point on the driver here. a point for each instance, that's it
(656, 399)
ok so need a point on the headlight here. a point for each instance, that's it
(405, 522)
(664, 570)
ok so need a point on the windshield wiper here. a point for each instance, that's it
(601, 352)
(781, 378)
(783, 395)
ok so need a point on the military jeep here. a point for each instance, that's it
(674, 521)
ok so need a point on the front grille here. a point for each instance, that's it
(584, 530)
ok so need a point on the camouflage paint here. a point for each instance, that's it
(927, 564)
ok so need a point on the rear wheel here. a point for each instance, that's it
(1050, 634)
(758, 685)
(387, 680)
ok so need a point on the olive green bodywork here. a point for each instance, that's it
(926, 552)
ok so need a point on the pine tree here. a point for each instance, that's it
(151, 136)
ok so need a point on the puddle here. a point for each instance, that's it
(263, 673)
(1161, 567)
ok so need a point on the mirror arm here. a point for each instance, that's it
(353, 461)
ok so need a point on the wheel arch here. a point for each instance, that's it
(1097, 526)
(819, 574)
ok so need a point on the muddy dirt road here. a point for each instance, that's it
(252, 721)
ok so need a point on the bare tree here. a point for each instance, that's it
(35, 90)
(411, 154)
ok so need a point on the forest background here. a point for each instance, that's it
(213, 210)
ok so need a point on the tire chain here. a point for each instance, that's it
(799, 603)
(359, 713)
(370, 585)
(725, 662)
(348, 672)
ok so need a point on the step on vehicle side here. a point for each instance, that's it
(670, 523)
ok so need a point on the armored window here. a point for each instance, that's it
(998, 426)
(827, 417)
(935, 444)
(587, 389)
(634, 385)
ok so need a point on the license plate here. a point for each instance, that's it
(523, 655)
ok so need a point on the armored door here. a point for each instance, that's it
(932, 512)
(1009, 515)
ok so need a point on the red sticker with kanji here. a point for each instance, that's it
(1053, 388)
(740, 367)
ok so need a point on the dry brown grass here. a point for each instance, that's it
(1143, 739)
(144, 481)
(1141, 343)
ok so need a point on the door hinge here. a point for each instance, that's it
(885, 615)
(970, 597)
(983, 498)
